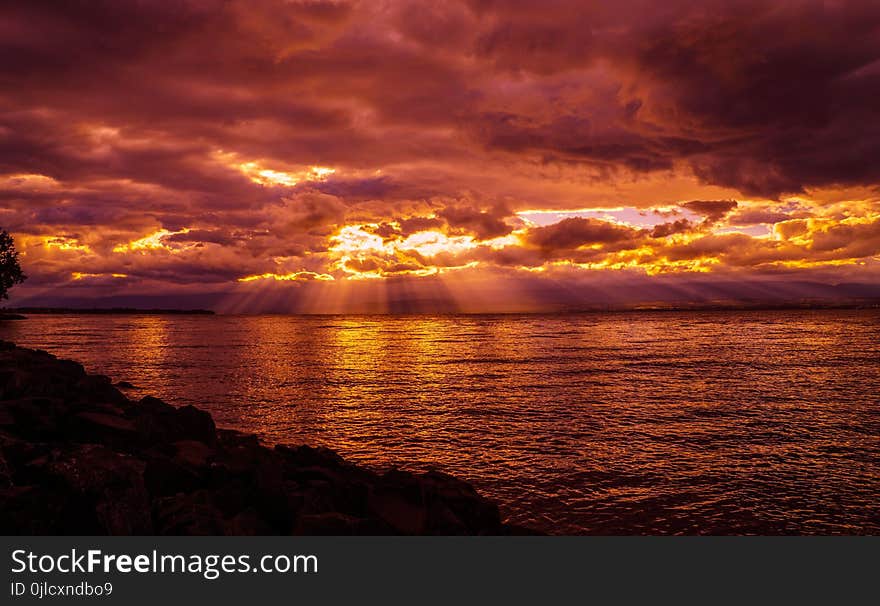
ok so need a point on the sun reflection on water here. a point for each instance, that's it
(665, 422)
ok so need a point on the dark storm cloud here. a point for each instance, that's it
(712, 210)
(765, 97)
(671, 227)
(198, 126)
(483, 224)
(575, 232)
(413, 225)
(753, 216)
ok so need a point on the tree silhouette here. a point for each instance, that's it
(10, 270)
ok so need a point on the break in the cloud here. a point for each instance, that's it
(223, 146)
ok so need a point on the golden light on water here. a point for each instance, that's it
(547, 401)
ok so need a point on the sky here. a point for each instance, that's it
(474, 155)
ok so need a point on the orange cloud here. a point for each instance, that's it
(311, 145)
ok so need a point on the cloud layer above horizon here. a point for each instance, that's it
(207, 145)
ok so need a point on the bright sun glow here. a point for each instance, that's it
(431, 243)
(77, 275)
(271, 177)
(362, 254)
(27, 182)
(66, 243)
(151, 241)
(297, 276)
(354, 239)
(265, 176)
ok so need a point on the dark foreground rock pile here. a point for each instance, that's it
(78, 457)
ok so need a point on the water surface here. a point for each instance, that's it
(665, 422)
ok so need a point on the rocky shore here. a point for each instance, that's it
(78, 457)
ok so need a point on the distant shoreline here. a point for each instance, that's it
(104, 311)
(873, 304)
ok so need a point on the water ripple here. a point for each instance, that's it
(709, 423)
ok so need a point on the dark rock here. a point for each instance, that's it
(102, 427)
(233, 496)
(188, 514)
(36, 417)
(78, 457)
(398, 500)
(35, 510)
(193, 454)
(124, 385)
(247, 523)
(307, 456)
(183, 466)
(156, 421)
(17, 454)
(5, 472)
(110, 483)
(514, 530)
(239, 452)
(6, 417)
(475, 512)
(196, 425)
(338, 524)
(165, 476)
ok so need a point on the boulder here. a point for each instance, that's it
(155, 421)
(188, 514)
(18, 454)
(164, 476)
(398, 500)
(475, 512)
(36, 510)
(103, 428)
(333, 523)
(36, 417)
(308, 456)
(193, 454)
(247, 523)
(5, 472)
(196, 425)
(100, 388)
(78, 457)
(106, 482)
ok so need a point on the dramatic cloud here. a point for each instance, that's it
(712, 210)
(212, 146)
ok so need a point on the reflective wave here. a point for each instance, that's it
(698, 422)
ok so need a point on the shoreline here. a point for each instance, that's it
(77, 457)
(104, 311)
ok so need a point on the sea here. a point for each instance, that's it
(661, 422)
